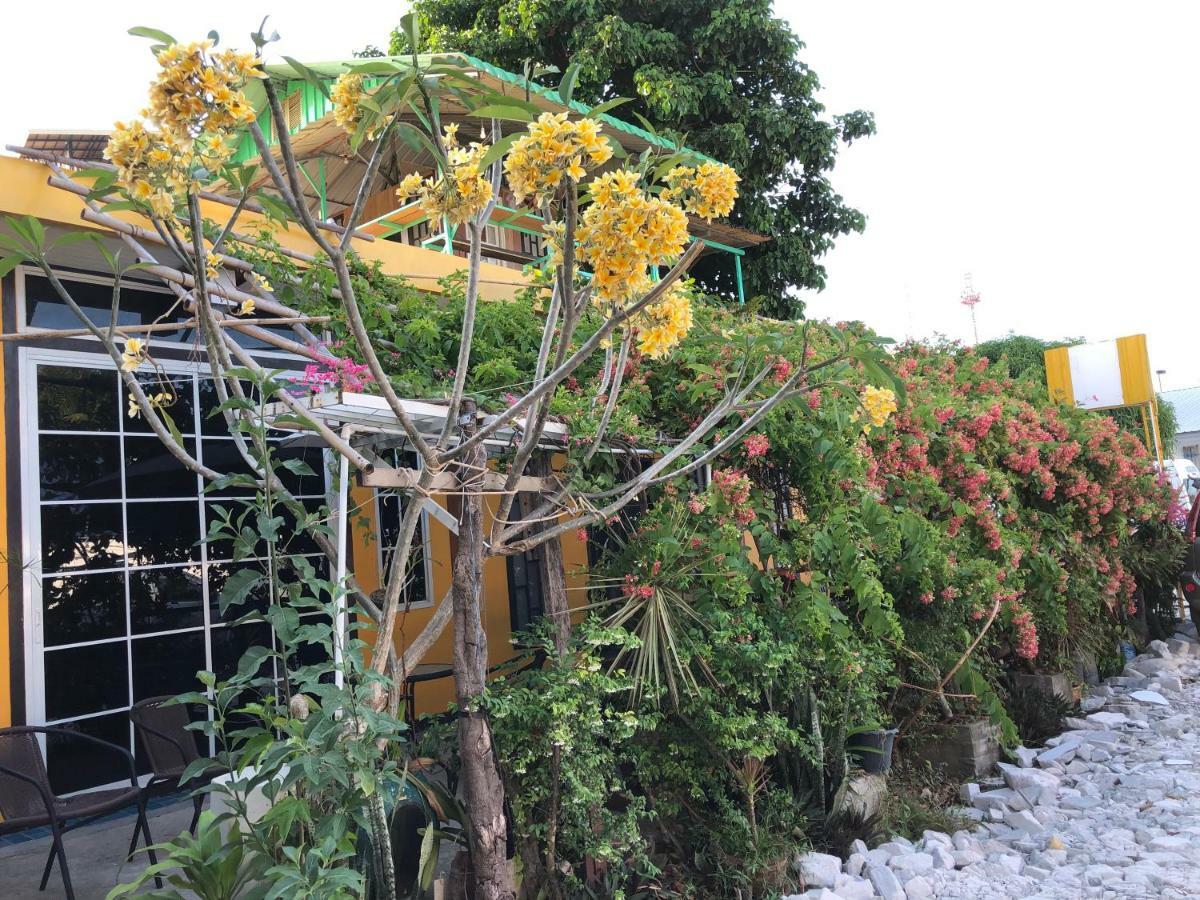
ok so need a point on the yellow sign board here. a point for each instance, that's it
(1103, 375)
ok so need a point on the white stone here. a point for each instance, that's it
(885, 882)
(1152, 697)
(1170, 842)
(1107, 719)
(910, 864)
(997, 799)
(819, 869)
(936, 837)
(968, 857)
(1025, 756)
(855, 864)
(1063, 753)
(1028, 779)
(943, 858)
(1171, 682)
(968, 792)
(851, 888)
(918, 888)
(1160, 649)
(1023, 820)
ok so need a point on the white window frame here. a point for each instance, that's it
(33, 638)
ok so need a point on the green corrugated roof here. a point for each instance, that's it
(315, 105)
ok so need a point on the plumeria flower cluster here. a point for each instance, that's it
(554, 147)
(461, 193)
(878, 404)
(707, 190)
(158, 400)
(662, 325)
(197, 104)
(346, 95)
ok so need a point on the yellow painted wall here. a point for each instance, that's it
(25, 192)
(7, 553)
(433, 696)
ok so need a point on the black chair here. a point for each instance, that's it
(27, 800)
(170, 748)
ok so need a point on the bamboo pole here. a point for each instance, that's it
(47, 334)
(146, 234)
(250, 206)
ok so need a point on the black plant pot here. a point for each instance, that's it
(872, 750)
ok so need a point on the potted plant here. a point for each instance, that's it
(870, 748)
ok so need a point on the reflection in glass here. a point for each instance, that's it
(74, 765)
(77, 467)
(162, 533)
(75, 399)
(166, 599)
(167, 664)
(181, 411)
(139, 306)
(81, 680)
(256, 600)
(82, 536)
(83, 608)
(229, 643)
(151, 471)
(211, 421)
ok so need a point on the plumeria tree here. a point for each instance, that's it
(614, 286)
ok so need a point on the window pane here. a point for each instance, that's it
(74, 399)
(82, 536)
(224, 457)
(83, 680)
(83, 608)
(218, 576)
(229, 644)
(163, 533)
(313, 457)
(151, 470)
(181, 411)
(74, 467)
(166, 599)
(74, 765)
(167, 664)
(45, 309)
(211, 421)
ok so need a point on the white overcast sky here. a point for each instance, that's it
(1051, 149)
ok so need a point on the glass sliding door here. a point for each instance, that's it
(124, 593)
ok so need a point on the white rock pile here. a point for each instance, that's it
(1110, 808)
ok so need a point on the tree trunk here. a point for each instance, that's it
(483, 792)
(552, 570)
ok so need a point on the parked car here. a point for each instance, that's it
(1184, 476)
(1189, 582)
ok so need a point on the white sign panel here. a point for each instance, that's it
(1096, 375)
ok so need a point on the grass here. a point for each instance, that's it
(919, 799)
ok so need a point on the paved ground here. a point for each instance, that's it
(94, 855)
(1109, 809)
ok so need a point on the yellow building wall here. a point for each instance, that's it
(433, 696)
(8, 553)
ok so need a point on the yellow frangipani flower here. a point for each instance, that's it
(134, 353)
(345, 95)
(707, 190)
(555, 146)
(247, 307)
(460, 193)
(879, 404)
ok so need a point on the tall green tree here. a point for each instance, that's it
(725, 75)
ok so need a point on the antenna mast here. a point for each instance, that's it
(970, 299)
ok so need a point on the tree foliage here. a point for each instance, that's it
(726, 76)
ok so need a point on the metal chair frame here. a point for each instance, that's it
(59, 824)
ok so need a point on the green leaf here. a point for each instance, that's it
(8, 263)
(251, 661)
(604, 107)
(566, 87)
(308, 75)
(411, 26)
(238, 587)
(153, 34)
(497, 150)
(506, 112)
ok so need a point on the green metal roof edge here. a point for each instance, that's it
(552, 95)
(284, 70)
